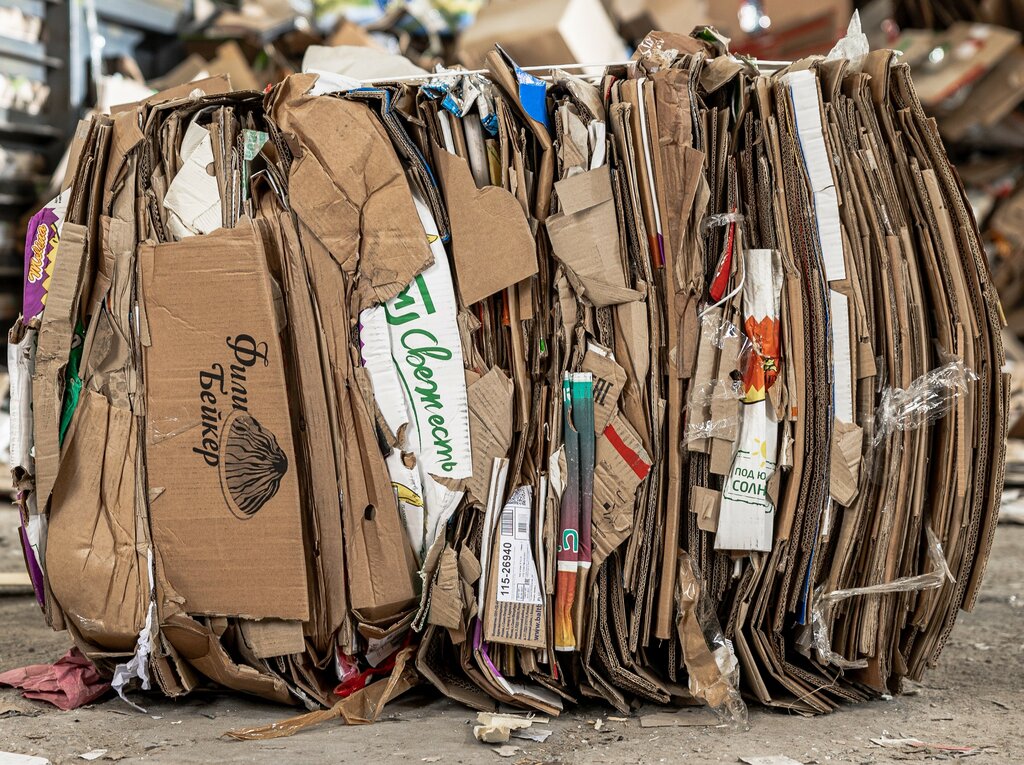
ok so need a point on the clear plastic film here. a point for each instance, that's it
(721, 219)
(719, 332)
(698, 431)
(824, 603)
(928, 398)
(711, 663)
(721, 427)
(854, 47)
(716, 388)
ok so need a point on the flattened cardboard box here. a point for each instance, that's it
(224, 498)
(515, 613)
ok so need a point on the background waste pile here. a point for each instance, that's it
(968, 65)
(272, 35)
(681, 383)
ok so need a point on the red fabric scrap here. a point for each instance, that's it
(72, 681)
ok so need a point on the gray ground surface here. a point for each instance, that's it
(975, 697)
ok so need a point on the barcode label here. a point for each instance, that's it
(517, 573)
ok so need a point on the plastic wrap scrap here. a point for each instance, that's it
(705, 397)
(721, 219)
(711, 664)
(712, 404)
(854, 46)
(928, 398)
(821, 610)
(138, 665)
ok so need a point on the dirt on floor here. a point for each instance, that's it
(973, 699)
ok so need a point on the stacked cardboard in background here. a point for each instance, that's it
(673, 386)
(780, 29)
(585, 31)
(259, 42)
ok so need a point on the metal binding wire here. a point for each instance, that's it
(769, 65)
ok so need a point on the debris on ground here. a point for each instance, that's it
(496, 728)
(916, 746)
(684, 718)
(539, 735)
(12, 758)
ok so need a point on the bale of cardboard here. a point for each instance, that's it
(682, 384)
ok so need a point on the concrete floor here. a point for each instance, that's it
(974, 698)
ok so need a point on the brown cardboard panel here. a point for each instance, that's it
(443, 671)
(706, 503)
(91, 543)
(203, 650)
(318, 442)
(379, 563)
(681, 191)
(490, 422)
(584, 237)
(620, 464)
(186, 71)
(609, 380)
(844, 475)
(488, 228)
(231, 62)
(272, 637)
(446, 593)
(365, 218)
(208, 86)
(378, 556)
(219, 439)
(348, 32)
(75, 148)
(55, 336)
(544, 170)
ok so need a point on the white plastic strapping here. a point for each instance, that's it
(821, 610)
